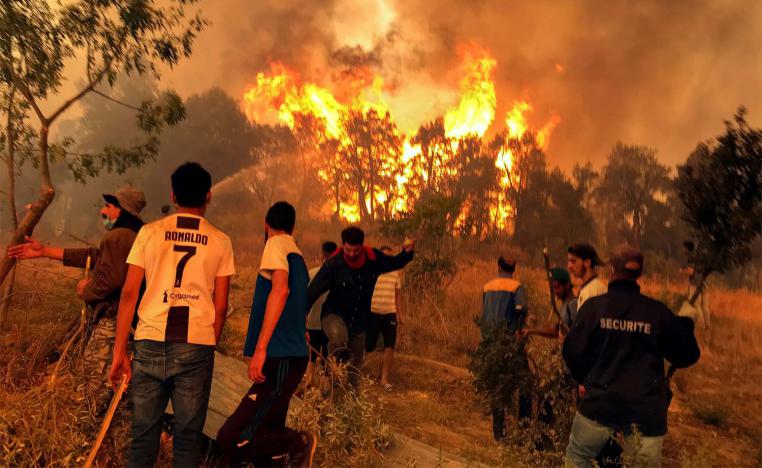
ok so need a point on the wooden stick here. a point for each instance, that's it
(107, 420)
(80, 329)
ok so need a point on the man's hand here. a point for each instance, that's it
(526, 331)
(30, 249)
(81, 285)
(256, 364)
(120, 366)
(582, 391)
(408, 245)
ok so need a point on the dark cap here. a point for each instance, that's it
(627, 261)
(507, 264)
(560, 275)
(586, 252)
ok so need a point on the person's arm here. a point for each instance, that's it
(130, 291)
(33, 248)
(220, 299)
(678, 342)
(550, 332)
(276, 301)
(110, 270)
(319, 285)
(577, 345)
(386, 263)
(522, 310)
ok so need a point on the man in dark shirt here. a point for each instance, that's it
(350, 277)
(616, 348)
(121, 219)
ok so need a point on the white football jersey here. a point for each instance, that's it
(181, 254)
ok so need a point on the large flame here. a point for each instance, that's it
(476, 110)
(280, 94)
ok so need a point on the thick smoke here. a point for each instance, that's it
(663, 74)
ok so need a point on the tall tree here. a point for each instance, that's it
(720, 186)
(631, 182)
(114, 37)
(372, 156)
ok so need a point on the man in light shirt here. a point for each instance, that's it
(256, 432)
(385, 317)
(187, 264)
(583, 262)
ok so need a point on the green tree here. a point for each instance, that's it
(114, 37)
(720, 186)
(631, 183)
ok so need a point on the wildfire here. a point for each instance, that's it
(398, 168)
(476, 109)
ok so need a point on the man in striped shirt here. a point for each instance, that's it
(385, 316)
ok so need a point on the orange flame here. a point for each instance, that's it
(476, 110)
(279, 95)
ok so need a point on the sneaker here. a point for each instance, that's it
(304, 457)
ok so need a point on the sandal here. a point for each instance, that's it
(389, 388)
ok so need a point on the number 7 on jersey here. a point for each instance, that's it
(189, 251)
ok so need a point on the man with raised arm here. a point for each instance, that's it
(350, 276)
(121, 219)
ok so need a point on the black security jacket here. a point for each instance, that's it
(350, 290)
(617, 348)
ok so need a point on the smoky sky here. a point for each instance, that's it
(661, 74)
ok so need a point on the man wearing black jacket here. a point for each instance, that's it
(617, 349)
(349, 277)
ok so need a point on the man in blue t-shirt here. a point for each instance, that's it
(276, 341)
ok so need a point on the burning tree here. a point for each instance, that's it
(374, 172)
(371, 155)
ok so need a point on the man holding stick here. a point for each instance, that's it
(187, 264)
(121, 218)
(567, 312)
(256, 432)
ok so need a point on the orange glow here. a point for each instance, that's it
(422, 161)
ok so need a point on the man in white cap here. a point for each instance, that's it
(121, 218)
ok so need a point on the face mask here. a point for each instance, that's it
(108, 223)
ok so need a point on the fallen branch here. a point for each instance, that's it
(80, 330)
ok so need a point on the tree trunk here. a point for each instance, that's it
(36, 209)
(14, 221)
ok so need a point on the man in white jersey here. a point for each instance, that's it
(187, 264)
(385, 316)
(583, 261)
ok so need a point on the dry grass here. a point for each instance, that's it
(715, 420)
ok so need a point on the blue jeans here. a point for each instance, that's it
(588, 437)
(161, 371)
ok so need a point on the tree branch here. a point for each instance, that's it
(78, 96)
(117, 101)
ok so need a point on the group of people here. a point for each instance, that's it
(614, 344)
(167, 283)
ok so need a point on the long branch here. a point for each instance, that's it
(90, 86)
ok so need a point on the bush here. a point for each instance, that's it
(349, 430)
